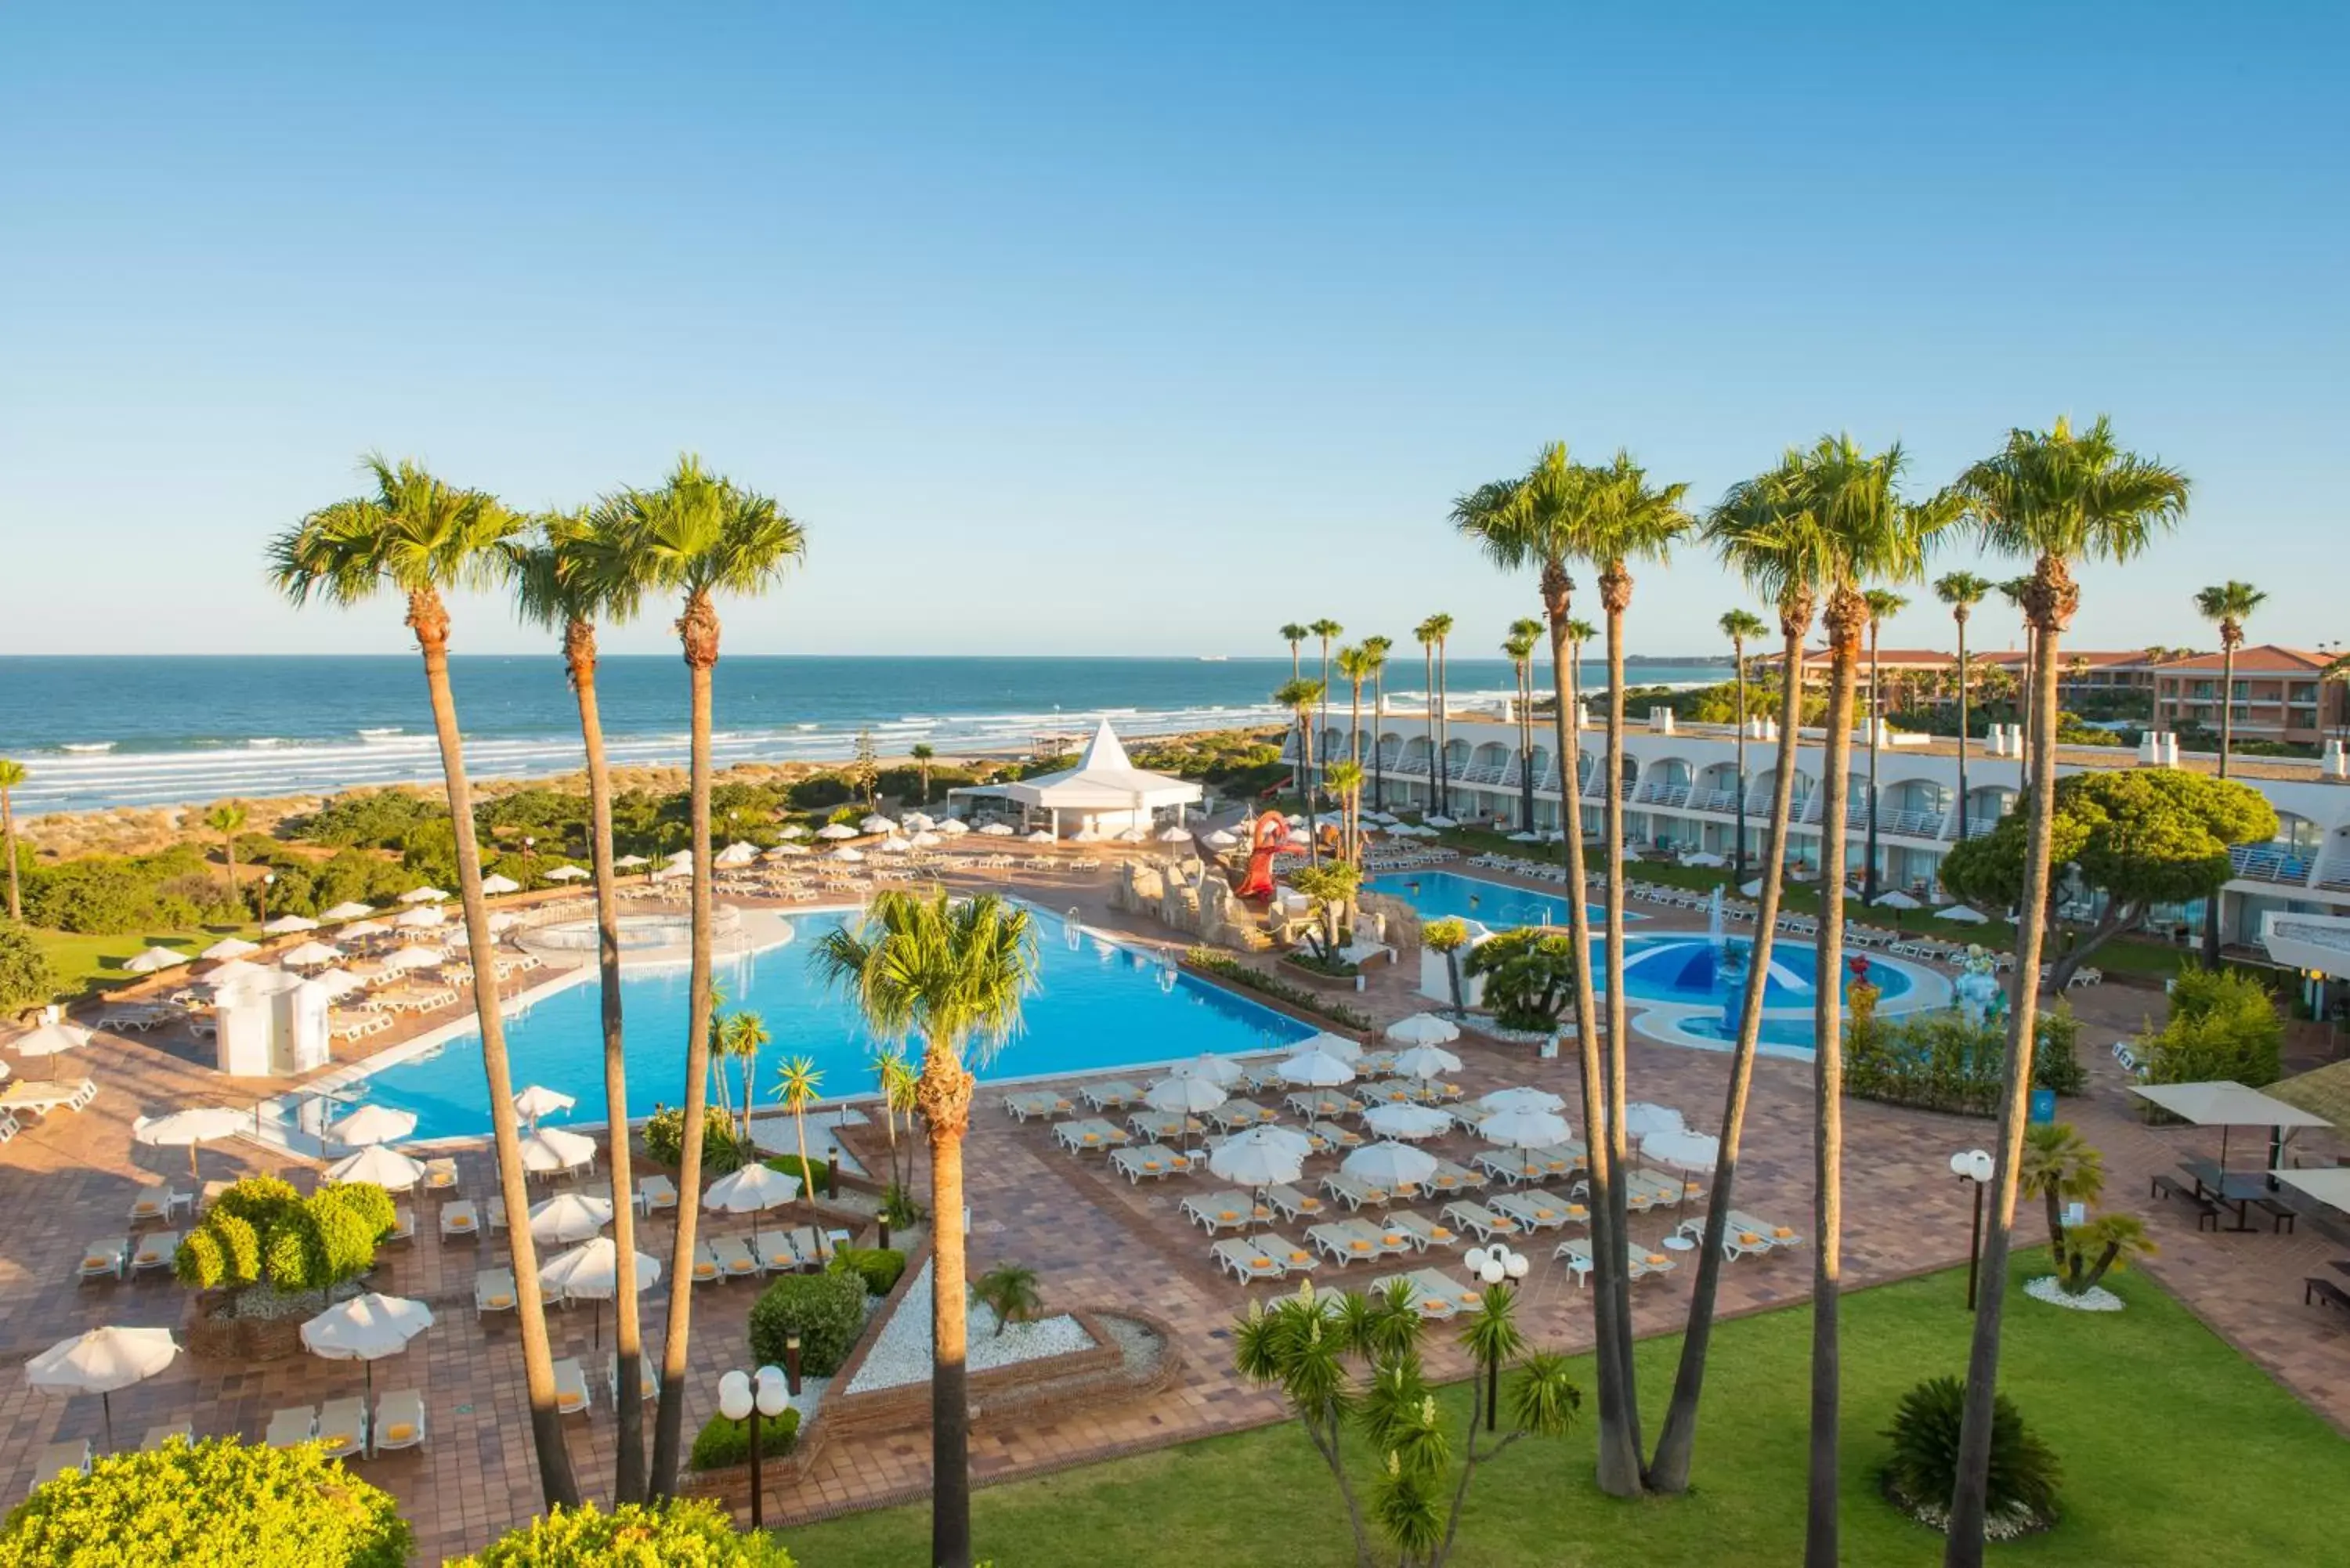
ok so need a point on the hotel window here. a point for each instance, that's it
(2304, 692)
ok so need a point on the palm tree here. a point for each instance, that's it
(2060, 1167)
(12, 775)
(892, 1076)
(1518, 647)
(1376, 649)
(1883, 603)
(1300, 698)
(422, 538)
(2014, 591)
(955, 972)
(1741, 626)
(922, 753)
(698, 535)
(578, 572)
(2335, 673)
(1009, 1291)
(744, 1037)
(1294, 635)
(2229, 603)
(2057, 497)
(1326, 629)
(798, 1085)
(1962, 591)
(1431, 634)
(1544, 521)
(1765, 530)
(1345, 780)
(1354, 667)
(1579, 635)
(227, 819)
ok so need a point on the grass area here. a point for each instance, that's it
(2206, 1463)
(87, 965)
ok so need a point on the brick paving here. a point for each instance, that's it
(1094, 1242)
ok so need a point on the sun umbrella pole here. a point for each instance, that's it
(106, 1405)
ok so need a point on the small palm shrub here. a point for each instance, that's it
(826, 1310)
(1924, 1468)
(1010, 1292)
(901, 1208)
(683, 1533)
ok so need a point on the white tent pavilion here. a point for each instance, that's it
(1105, 794)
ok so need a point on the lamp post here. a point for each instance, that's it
(743, 1397)
(1973, 1167)
(1493, 1265)
(528, 845)
(268, 880)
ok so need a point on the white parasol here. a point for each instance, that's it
(548, 1149)
(537, 1100)
(199, 1124)
(372, 1125)
(366, 1329)
(1423, 1029)
(568, 1217)
(386, 1167)
(1390, 1164)
(751, 1189)
(102, 1361)
(1413, 1122)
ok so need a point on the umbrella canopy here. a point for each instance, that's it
(1965, 914)
(1317, 1069)
(836, 831)
(198, 1123)
(1390, 1164)
(230, 947)
(568, 1217)
(1520, 1099)
(893, 844)
(1752, 887)
(587, 1273)
(790, 830)
(1525, 838)
(425, 894)
(2329, 1184)
(954, 827)
(1261, 1156)
(366, 1329)
(288, 925)
(741, 852)
(630, 862)
(751, 1189)
(1183, 1094)
(925, 839)
(1682, 1148)
(372, 1125)
(309, 953)
(551, 1148)
(787, 851)
(364, 928)
(386, 1167)
(419, 918)
(2224, 1104)
(1040, 837)
(845, 853)
(539, 1100)
(1414, 1122)
(1423, 1029)
(998, 830)
(414, 958)
(1705, 857)
(50, 1039)
(231, 972)
(498, 882)
(1898, 899)
(154, 958)
(102, 1361)
(1336, 1045)
(1439, 821)
(1175, 836)
(1641, 1118)
(1427, 1061)
(337, 981)
(1219, 840)
(504, 921)
(877, 823)
(568, 874)
(1523, 1129)
(917, 821)
(348, 911)
(1221, 1071)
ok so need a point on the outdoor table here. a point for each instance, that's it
(2238, 1191)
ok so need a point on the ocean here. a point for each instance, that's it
(97, 733)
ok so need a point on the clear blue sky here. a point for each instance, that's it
(1074, 328)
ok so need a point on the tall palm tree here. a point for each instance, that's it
(1354, 667)
(12, 776)
(1326, 629)
(745, 1037)
(1962, 591)
(2230, 604)
(1765, 530)
(1430, 634)
(577, 572)
(1345, 780)
(1301, 697)
(1579, 636)
(227, 819)
(1518, 647)
(698, 535)
(421, 538)
(1294, 634)
(955, 972)
(1544, 521)
(923, 754)
(1741, 627)
(1883, 603)
(799, 1083)
(1376, 649)
(2056, 496)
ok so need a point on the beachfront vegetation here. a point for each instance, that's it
(220, 1503)
(2222, 1025)
(826, 1309)
(681, 1533)
(27, 978)
(1009, 1291)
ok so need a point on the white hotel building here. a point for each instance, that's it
(1681, 795)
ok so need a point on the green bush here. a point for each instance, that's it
(216, 1505)
(880, 1267)
(1937, 1060)
(685, 1534)
(1227, 968)
(2056, 1050)
(827, 1311)
(2223, 1024)
(261, 1229)
(723, 1444)
(2025, 1472)
(27, 979)
(665, 1140)
(813, 1175)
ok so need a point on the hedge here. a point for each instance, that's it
(261, 1229)
(813, 1176)
(826, 1310)
(215, 1504)
(723, 1444)
(1225, 967)
(685, 1534)
(880, 1267)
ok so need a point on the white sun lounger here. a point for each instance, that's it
(1245, 1261)
(155, 1251)
(1226, 1210)
(494, 1291)
(46, 1097)
(1092, 1133)
(1536, 1210)
(398, 1421)
(571, 1395)
(105, 1256)
(648, 1379)
(343, 1426)
(1479, 1219)
(1150, 1160)
(61, 1459)
(290, 1428)
(1294, 1203)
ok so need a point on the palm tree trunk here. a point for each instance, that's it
(1435, 731)
(228, 855)
(1963, 806)
(1738, 874)
(1969, 1500)
(1620, 1454)
(1876, 735)
(2227, 744)
(1669, 1471)
(627, 1333)
(430, 620)
(1614, 1274)
(2026, 694)
(1444, 711)
(699, 630)
(947, 1090)
(1378, 717)
(1844, 611)
(1306, 754)
(8, 846)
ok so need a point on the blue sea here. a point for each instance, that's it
(148, 731)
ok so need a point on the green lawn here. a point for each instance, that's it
(86, 965)
(2176, 1451)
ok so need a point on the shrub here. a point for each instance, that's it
(901, 1208)
(665, 1140)
(26, 977)
(2223, 1024)
(1939, 1061)
(261, 1229)
(685, 1534)
(1011, 1294)
(880, 1267)
(2024, 1473)
(215, 1504)
(827, 1311)
(1528, 974)
(723, 1444)
(813, 1175)
(2056, 1050)
(1227, 968)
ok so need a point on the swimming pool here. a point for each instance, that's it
(1497, 906)
(1097, 1005)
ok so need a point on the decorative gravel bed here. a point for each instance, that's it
(2096, 1298)
(901, 1354)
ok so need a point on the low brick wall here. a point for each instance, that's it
(1276, 1005)
(211, 1336)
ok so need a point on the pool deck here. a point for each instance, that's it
(1093, 1240)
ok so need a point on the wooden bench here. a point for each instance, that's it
(2319, 1291)
(2282, 1216)
(2205, 1211)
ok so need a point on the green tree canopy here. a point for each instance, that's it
(26, 976)
(1528, 973)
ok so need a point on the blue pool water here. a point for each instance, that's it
(1497, 906)
(1097, 1005)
